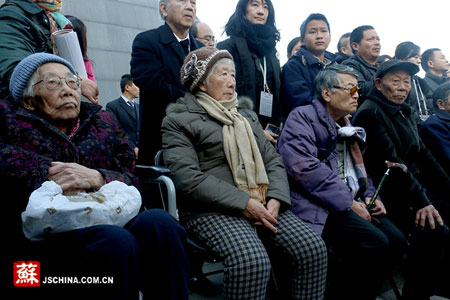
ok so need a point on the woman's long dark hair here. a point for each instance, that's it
(237, 22)
(406, 50)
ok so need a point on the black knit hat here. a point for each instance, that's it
(394, 65)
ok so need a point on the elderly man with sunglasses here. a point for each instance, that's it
(330, 189)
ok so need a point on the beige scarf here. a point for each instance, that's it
(240, 146)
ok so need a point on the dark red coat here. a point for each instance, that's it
(28, 144)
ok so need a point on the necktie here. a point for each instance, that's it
(185, 45)
(131, 104)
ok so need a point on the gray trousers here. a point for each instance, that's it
(302, 255)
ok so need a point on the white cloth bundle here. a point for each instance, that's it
(49, 211)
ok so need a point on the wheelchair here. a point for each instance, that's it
(197, 254)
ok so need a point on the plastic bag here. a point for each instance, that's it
(49, 211)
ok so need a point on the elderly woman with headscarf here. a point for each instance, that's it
(27, 27)
(232, 186)
(54, 136)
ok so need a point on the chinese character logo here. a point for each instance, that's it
(27, 274)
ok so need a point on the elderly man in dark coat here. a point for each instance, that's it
(156, 59)
(416, 198)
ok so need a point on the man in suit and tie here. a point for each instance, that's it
(126, 110)
(156, 59)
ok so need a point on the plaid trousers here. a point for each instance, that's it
(246, 261)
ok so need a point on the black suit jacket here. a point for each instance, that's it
(128, 118)
(156, 60)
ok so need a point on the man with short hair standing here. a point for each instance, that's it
(298, 74)
(203, 33)
(126, 110)
(366, 47)
(344, 48)
(156, 59)
(436, 67)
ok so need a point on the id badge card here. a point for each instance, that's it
(265, 104)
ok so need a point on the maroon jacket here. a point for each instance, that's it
(28, 144)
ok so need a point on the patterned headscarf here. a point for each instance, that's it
(50, 5)
(57, 20)
(197, 65)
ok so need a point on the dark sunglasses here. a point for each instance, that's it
(352, 90)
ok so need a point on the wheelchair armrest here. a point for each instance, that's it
(159, 175)
(151, 172)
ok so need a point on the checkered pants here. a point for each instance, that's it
(246, 262)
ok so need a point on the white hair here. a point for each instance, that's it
(220, 61)
(166, 3)
(28, 92)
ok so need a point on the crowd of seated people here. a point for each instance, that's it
(276, 169)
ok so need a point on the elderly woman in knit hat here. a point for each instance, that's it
(54, 136)
(233, 189)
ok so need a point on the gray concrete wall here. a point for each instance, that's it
(112, 26)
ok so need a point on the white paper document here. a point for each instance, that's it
(66, 41)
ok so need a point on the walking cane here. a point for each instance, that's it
(390, 165)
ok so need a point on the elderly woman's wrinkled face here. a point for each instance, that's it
(221, 82)
(61, 103)
(395, 86)
(257, 12)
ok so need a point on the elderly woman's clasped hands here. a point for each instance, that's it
(74, 178)
(263, 215)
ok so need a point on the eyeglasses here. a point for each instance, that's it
(208, 38)
(54, 82)
(352, 90)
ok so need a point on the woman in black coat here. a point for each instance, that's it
(252, 41)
